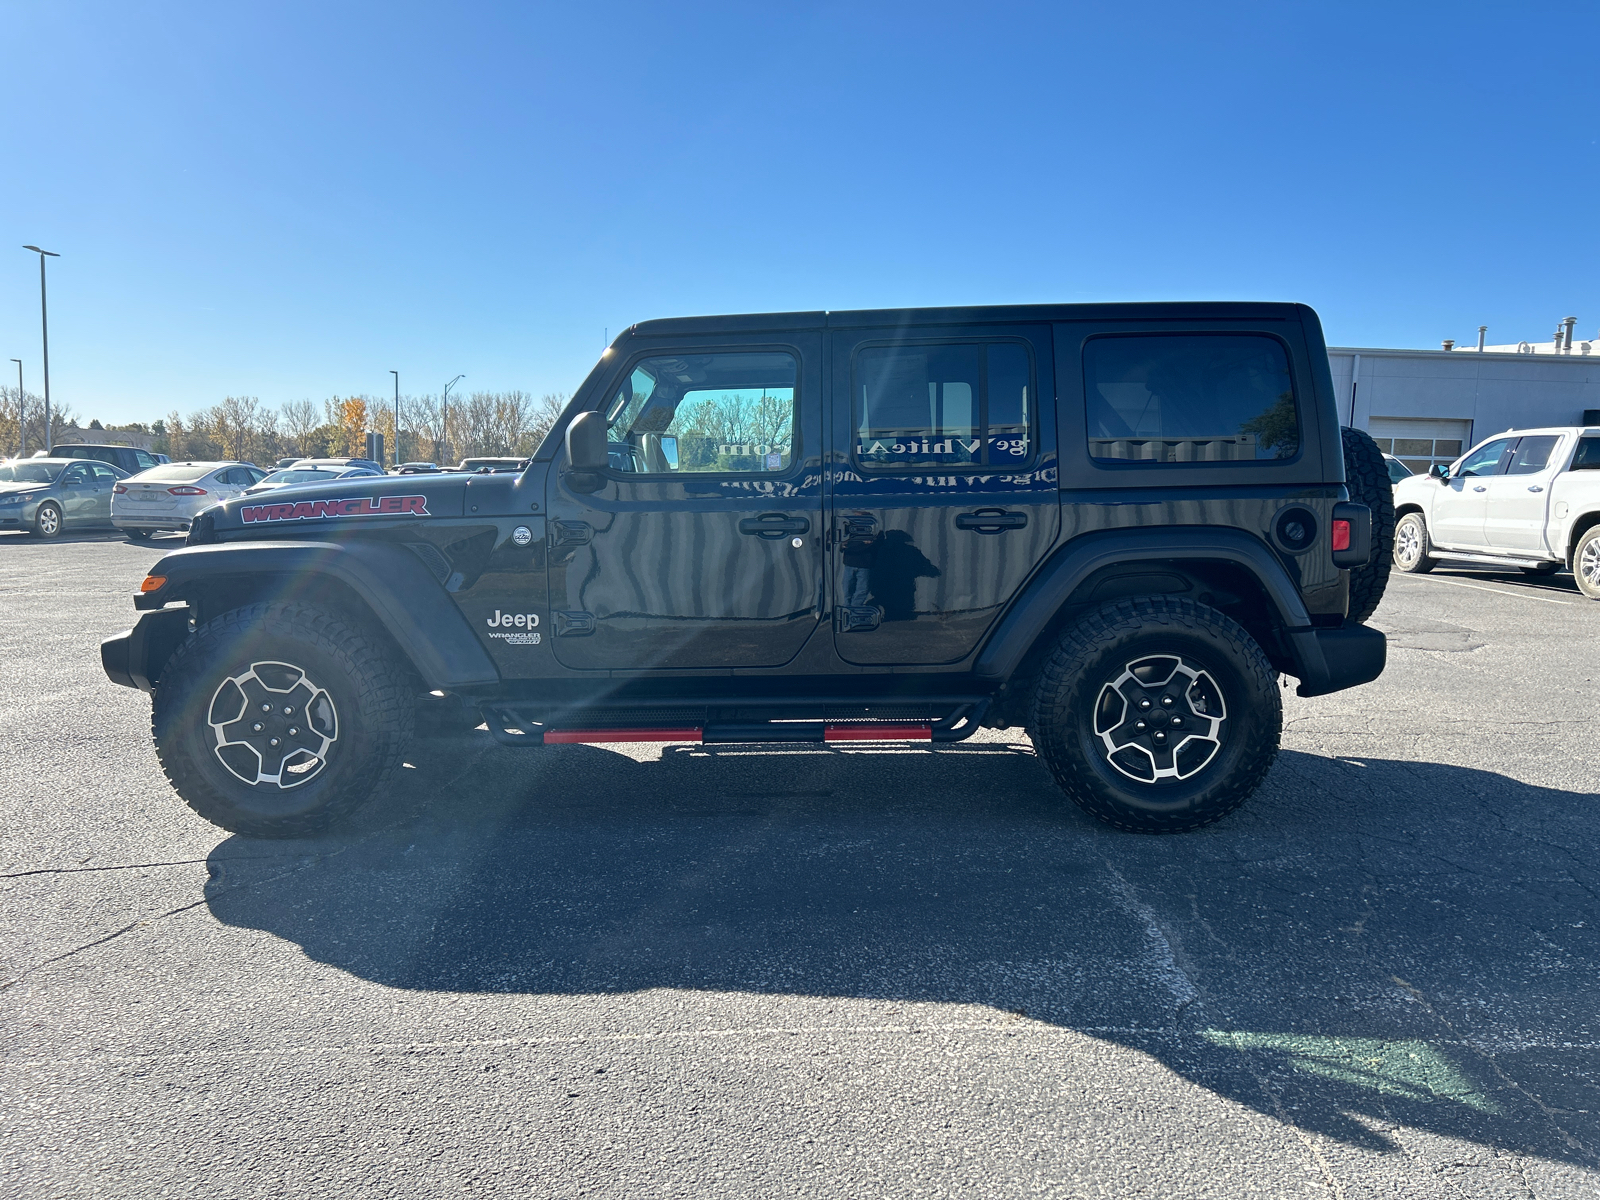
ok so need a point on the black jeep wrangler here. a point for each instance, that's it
(1112, 525)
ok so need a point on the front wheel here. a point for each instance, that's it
(47, 520)
(1157, 714)
(1412, 546)
(1586, 563)
(280, 720)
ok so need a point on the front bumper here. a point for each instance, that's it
(135, 657)
(1332, 659)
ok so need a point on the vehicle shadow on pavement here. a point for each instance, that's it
(1368, 944)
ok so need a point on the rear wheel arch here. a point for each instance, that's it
(1222, 584)
(1580, 526)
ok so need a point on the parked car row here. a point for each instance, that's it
(87, 487)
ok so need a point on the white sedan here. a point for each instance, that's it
(168, 497)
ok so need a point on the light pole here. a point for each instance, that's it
(444, 450)
(44, 326)
(22, 415)
(396, 375)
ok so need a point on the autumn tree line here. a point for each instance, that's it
(241, 427)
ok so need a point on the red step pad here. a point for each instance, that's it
(600, 736)
(878, 733)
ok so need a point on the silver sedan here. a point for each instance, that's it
(50, 495)
(168, 497)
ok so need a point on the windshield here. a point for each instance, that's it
(299, 475)
(174, 473)
(30, 472)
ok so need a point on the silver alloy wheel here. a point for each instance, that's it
(1160, 719)
(1407, 543)
(49, 520)
(1589, 563)
(272, 724)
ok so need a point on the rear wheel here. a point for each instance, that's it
(1367, 478)
(47, 521)
(138, 535)
(1157, 714)
(1586, 563)
(1412, 547)
(280, 720)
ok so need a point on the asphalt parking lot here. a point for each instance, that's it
(645, 971)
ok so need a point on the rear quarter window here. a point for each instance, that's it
(1190, 398)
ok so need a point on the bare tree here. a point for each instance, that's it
(545, 415)
(300, 420)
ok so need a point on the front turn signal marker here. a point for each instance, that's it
(153, 583)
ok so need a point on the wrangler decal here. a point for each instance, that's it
(317, 510)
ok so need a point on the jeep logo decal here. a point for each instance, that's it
(316, 510)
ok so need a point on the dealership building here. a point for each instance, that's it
(1428, 406)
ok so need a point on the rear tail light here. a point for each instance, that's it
(120, 490)
(1341, 534)
(187, 491)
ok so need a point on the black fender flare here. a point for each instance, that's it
(397, 588)
(1055, 582)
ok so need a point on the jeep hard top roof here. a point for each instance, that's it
(997, 314)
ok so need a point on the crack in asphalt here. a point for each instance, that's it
(181, 862)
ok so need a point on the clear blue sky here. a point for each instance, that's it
(287, 200)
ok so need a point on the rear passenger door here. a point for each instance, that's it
(100, 502)
(943, 492)
(1519, 498)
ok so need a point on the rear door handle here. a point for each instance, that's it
(773, 525)
(1535, 488)
(991, 520)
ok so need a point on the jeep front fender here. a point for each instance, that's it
(389, 580)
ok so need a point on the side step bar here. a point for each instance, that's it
(510, 729)
(1494, 560)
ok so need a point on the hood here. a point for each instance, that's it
(362, 502)
(7, 488)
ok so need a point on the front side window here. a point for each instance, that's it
(1533, 454)
(926, 405)
(1485, 460)
(1189, 398)
(75, 476)
(728, 413)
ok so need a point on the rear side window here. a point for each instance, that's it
(1533, 454)
(1190, 398)
(961, 403)
(1587, 457)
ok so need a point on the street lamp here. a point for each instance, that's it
(22, 415)
(44, 325)
(396, 375)
(444, 451)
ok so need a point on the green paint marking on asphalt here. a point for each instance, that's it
(1407, 1068)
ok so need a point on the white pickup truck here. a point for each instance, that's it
(1526, 498)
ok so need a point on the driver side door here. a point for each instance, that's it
(1461, 506)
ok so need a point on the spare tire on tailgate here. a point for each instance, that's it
(1367, 477)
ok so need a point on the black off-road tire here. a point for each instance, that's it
(370, 709)
(1367, 478)
(1586, 563)
(48, 524)
(1413, 548)
(1067, 726)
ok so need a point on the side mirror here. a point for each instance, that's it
(1439, 471)
(587, 454)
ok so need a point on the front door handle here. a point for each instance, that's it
(1479, 488)
(1534, 487)
(773, 525)
(991, 520)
